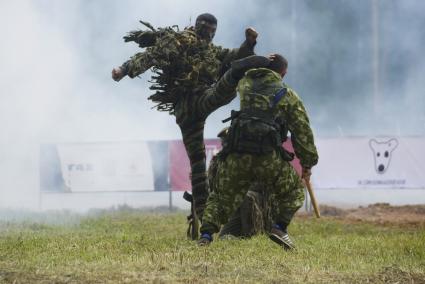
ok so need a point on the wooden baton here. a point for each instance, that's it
(313, 198)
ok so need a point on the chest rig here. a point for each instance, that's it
(255, 130)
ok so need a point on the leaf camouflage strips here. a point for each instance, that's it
(183, 64)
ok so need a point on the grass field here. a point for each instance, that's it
(131, 246)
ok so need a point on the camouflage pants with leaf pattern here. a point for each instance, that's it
(235, 175)
(191, 112)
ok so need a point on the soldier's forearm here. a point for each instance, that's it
(307, 154)
(246, 49)
(138, 64)
(124, 68)
(301, 133)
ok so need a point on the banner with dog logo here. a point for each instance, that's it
(374, 162)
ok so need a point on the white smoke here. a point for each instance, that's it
(56, 59)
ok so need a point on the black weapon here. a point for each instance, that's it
(192, 219)
(142, 37)
(233, 115)
(148, 25)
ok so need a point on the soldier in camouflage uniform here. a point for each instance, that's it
(253, 216)
(186, 65)
(254, 154)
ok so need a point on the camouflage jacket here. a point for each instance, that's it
(256, 90)
(184, 65)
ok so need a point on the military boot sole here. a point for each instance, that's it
(283, 241)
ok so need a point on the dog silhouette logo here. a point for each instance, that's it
(382, 152)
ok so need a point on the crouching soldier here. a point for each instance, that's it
(253, 215)
(254, 154)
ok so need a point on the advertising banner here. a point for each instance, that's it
(91, 167)
(344, 163)
(374, 162)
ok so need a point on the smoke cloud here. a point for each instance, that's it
(57, 56)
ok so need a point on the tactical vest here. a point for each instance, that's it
(253, 132)
(256, 128)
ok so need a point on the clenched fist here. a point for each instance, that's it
(117, 74)
(251, 35)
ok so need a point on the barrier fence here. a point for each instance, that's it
(158, 166)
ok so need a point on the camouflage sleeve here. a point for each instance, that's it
(165, 50)
(138, 64)
(301, 132)
(226, 55)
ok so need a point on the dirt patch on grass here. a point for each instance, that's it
(394, 275)
(380, 213)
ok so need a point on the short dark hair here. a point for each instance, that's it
(206, 17)
(278, 63)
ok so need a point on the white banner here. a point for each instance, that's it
(106, 166)
(381, 162)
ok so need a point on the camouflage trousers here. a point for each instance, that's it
(191, 113)
(236, 174)
(252, 217)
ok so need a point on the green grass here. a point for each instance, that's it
(132, 246)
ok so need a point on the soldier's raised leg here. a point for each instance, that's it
(225, 89)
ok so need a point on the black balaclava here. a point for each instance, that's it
(205, 27)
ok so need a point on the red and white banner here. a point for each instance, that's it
(180, 166)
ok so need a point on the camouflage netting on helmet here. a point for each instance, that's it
(182, 63)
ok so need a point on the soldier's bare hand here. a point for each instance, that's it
(251, 35)
(117, 74)
(306, 174)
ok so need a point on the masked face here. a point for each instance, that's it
(205, 30)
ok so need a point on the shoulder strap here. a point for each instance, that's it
(277, 97)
